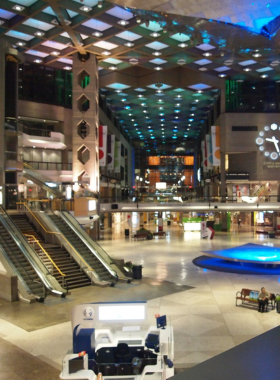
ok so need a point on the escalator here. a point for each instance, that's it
(103, 271)
(74, 277)
(39, 179)
(21, 265)
(18, 258)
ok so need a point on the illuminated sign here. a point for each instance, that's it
(268, 141)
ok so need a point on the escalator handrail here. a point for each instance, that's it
(46, 253)
(16, 271)
(26, 249)
(88, 245)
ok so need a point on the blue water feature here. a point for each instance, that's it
(250, 252)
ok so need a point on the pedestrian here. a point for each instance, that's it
(239, 223)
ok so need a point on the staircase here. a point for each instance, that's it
(22, 265)
(74, 276)
(82, 249)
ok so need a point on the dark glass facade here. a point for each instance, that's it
(252, 96)
(44, 84)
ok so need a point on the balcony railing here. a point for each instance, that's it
(39, 165)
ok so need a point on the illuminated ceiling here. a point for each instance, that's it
(160, 74)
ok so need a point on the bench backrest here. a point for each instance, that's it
(246, 292)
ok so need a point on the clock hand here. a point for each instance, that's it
(275, 143)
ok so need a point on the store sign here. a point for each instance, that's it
(268, 142)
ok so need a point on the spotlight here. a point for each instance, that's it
(100, 4)
(138, 20)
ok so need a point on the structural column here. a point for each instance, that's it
(85, 121)
(2, 116)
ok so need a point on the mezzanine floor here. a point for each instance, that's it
(34, 338)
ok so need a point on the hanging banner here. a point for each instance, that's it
(102, 144)
(204, 159)
(209, 152)
(216, 145)
(117, 156)
(110, 151)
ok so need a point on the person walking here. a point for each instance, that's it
(239, 223)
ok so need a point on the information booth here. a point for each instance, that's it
(114, 341)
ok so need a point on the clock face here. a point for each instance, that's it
(269, 141)
(88, 312)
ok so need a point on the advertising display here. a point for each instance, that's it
(209, 152)
(216, 145)
(102, 144)
(110, 152)
(117, 156)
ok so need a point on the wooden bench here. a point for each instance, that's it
(243, 296)
(159, 233)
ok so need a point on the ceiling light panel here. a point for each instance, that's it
(105, 45)
(153, 26)
(36, 53)
(38, 24)
(54, 45)
(129, 36)
(205, 47)
(19, 35)
(155, 87)
(66, 60)
(158, 61)
(97, 25)
(118, 86)
(247, 63)
(222, 68)
(181, 37)
(6, 14)
(203, 62)
(264, 69)
(199, 86)
(120, 13)
(112, 61)
(156, 45)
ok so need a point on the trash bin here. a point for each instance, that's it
(137, 272)
(169, 222)
(126, 232)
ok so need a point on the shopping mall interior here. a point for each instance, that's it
(143, 136)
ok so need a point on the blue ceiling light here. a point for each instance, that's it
(174, 137)
(190, 119)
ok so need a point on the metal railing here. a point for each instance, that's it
(41, 165)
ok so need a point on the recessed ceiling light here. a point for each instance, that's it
(1, 22)
(39, 33)
(158, 68)
(222, 75)
(20, 43)
(133, 61)
(181, 61)
(67, 68)
(207, 54)
(256, 55)
(85, 8)
(129, 44)
(157, 53)
(100, 4)
(113, 67)
(247, 69)
(123, 22)
(183, 45)
(155, 34)
(37, 61)
(202, 69)
(138, 20)
(264, 76)
(274, 63)
(239, 80)
(106, 53)
(97, 34)
(18, 7)
(228, 62)
(56, 53)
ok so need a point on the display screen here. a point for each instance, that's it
(116, 313)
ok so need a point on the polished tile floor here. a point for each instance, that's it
(203, 313)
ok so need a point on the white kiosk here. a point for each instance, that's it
(118, 350)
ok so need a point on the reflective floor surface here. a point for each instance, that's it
(203, 313)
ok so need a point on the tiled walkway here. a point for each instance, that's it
(205, 319)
